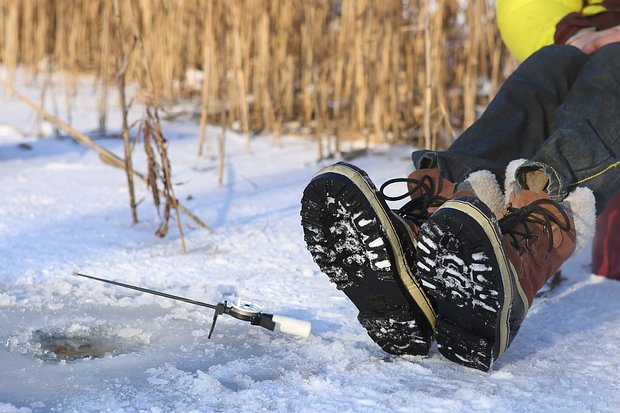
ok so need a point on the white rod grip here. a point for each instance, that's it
(292, 325)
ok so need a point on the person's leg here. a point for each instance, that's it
(486, 271)
(517, 121)
(584, 150)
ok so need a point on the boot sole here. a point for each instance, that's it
(463, 267)
(356, 241)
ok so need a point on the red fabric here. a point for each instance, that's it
(606, 245)
(574, 22)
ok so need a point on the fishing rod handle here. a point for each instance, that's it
(292, 326)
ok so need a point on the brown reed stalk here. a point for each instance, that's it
(206, 70)
(124, 57)
(470, 89)
(262, 74)
(441, 84)
(222, 148)
(236, 17)
(360, 80)
(225, 89)
(307, 50)
(11, 40)
(280, 13)
(337, 75)
(28, 12)
(395, 98)
(428, 80)
(104, 62)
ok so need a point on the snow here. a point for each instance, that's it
(62, 209)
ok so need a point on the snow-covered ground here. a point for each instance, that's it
(62, 209)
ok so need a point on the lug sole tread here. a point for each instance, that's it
(347, 241)
(460, 273)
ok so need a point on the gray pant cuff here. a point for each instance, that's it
(531, 175)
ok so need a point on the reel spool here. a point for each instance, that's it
(245, 310)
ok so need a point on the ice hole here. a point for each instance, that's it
(80, 343)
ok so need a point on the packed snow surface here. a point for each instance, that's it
(62, 209)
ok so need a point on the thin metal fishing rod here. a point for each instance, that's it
(148, 291)
(242, 310)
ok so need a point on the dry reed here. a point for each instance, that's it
(389, 70)
(105, 155)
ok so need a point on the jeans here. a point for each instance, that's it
(560, 110)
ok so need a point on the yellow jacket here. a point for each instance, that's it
(528, 25)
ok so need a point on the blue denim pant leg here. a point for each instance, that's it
(585, 146)
(516, 122)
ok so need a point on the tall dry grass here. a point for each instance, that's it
(378, 70)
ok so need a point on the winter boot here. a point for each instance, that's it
(482, 274)
(369, 251)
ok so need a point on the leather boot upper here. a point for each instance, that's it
(538, 236)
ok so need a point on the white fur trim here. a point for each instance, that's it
(486, 187)
(581, 204)
(511, 185)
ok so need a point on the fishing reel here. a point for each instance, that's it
(247, 311)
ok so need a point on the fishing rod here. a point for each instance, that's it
(243, 310)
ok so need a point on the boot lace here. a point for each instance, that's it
(533, 214)
(416, 210)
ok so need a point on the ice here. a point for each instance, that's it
(480, 267)
(383, 264)
(429, 262)
(364, 222)
(451, 257)
(426, 284)
(420, 264)
(423, 247)
(483, 305)
(62, 209)
(427, 243)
